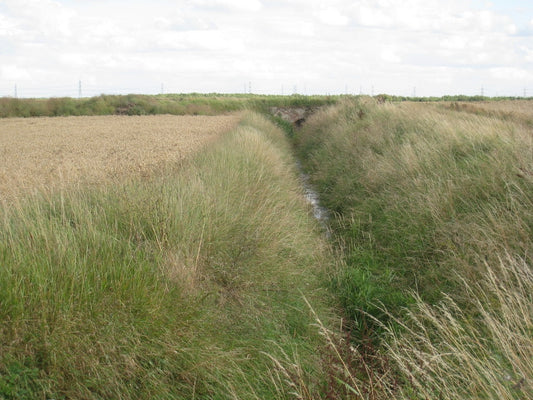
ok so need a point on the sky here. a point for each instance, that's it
(51, 48)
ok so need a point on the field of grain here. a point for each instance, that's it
(46, 153)
(518, 111)
(518, 107)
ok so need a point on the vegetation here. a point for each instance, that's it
(447, 353)
(186, 284)
(449, 98)
(191, 103)
(431, 211)
(175, 104)
(49, 153)
(207, 278)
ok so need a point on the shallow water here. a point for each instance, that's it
(320, 213)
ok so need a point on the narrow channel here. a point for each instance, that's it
(320, 213)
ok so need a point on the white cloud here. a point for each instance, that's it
(528, 52)
(7, 26)
(236, 5)
(44, 18)
(332, 16)
(76, 60)
(219, 44)
(454, 42)
(373, 16)
(429, 15)
(511, 74)
(390, 55)
(291, 29)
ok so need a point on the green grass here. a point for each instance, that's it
(134, 104)
(189, 103)
(207, 280)
(426, 202)
(185, 285)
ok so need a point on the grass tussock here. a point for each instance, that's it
(443, 353)
(430, 200)
(172, 286)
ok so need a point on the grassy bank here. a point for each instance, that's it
(189, 284)
(431, 210)
(175, 104)
(198, 103)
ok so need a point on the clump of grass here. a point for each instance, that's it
(444, 353)
(426, 199)
(170, 286)
(352, 371)
(417, 191)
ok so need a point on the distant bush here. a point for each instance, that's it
(134, 104)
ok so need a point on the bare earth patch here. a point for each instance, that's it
(46, 153)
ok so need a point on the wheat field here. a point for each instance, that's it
(515, 107)
(41, 154)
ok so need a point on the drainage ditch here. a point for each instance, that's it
(320, 213)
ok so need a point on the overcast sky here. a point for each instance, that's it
(427, 47)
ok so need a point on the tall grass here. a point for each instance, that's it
(444, 354)
(135, 104)
(176, 286)
(428, 200)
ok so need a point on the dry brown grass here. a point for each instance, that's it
(47, 153)
(524, 107)
(445, 354)
(517, 111)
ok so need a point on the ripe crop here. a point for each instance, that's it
(47, 153)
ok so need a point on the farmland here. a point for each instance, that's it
(516, 111)
(187, 284)
(46, 153)
(176, 256)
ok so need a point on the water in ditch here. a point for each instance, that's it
(319, 212)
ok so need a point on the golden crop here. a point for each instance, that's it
(515, 107)
(46, 153)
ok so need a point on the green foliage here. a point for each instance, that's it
(177, 286)
(18, 381)
(286, 126)
(419, 194)
(189, 103)
(134, 104)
